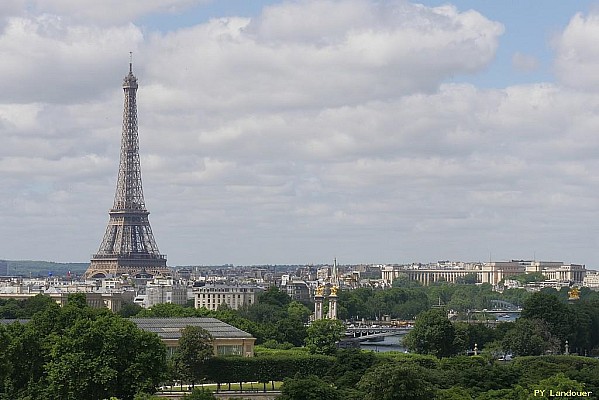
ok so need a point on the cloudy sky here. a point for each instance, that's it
(298, 131)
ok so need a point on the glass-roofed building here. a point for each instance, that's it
(227, 340)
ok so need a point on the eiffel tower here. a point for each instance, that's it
(128, 247)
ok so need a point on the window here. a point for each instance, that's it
(229, 350)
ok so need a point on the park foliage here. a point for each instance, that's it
(76, 352)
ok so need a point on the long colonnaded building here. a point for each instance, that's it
(491, 272)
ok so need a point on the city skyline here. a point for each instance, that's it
(296, 132)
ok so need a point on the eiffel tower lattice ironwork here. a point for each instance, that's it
(128, 246)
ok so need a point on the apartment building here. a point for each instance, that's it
(234, 296)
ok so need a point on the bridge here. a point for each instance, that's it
(504, 305)
(500, 315)
(495, 312)
(373, 333)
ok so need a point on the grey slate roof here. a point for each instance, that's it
(170, 328)
(8, 321)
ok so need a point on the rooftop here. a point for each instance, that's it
(170, 328)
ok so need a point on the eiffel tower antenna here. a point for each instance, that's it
(128, 246)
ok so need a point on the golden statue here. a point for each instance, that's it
(574, 294)
(319, 291)
(334, 291)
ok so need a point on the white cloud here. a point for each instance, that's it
(370, 52)
(110, 11)
(47, 60)
(11, 7)
(524, 62)
(263, 141)
(577, 58)
(450, 163)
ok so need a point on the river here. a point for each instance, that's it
(389, 343)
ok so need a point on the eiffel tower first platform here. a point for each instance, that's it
(128, 247)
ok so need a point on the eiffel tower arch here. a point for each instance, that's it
(128, 246)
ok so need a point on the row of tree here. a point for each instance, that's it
(548, 325)
(549, 319)
(277, 321)
(367, 376)
(63, 352)
(76, 352)
(406, 302)
(356, 374)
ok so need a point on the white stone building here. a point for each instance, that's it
(164, 290)
(491, 272)
(234, 296)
